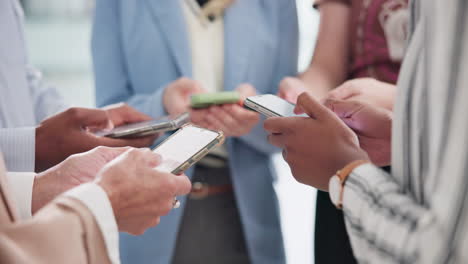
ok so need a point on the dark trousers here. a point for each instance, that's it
(211, 230)
(332, 244)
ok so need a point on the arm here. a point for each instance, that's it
(43, 240)
(111, 76)
(330, 64)
(387, 225)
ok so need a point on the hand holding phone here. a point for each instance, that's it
(146, 128)
(205, 100)
(270, 105)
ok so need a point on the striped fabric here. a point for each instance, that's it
(419, 213)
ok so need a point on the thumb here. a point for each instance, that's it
(343, 109)
(183, 184)
(246, 90)
(313, 108)
(342, 92)
(86, 117)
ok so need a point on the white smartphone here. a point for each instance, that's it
(186, 147)
(270, 105)
(146, 128)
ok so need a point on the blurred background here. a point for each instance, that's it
(58, 34)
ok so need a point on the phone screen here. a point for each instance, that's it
(183, 145)
(275, 104)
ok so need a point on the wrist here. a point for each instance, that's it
(43, 190)
(337, 182)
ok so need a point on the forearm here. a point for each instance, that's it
(258, 139)
(319, 80)
(65, 231)
(386, 225)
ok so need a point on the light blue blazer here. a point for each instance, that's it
(140, 46)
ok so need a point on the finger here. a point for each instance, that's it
(277, 140)
(242, 115)
(123, 114)
(110, 153)
(189, 86)
(183, 184)
(279, 125)
(313, 108)
(221, 114)
(246, 90)
(198, 115)
(298, 110)
(145, 157)
(86, 117)
(217, 124)
(344, 109)
(343, 92)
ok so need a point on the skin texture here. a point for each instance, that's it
(372, 124)
(368, 90)
(73, 171)
(329, 66)
(139, 193)
(176, 96)
(69, 132)
(232, 119)
(320, 143)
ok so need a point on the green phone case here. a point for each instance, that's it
(209, 99)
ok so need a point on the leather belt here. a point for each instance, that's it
(202, 190)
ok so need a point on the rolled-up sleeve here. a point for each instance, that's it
(97, 201)
(21, 184)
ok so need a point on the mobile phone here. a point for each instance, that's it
(146, 128)
(270, 105)
(208, 99)
(186, 147)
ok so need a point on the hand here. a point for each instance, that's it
(122, 114)
(75, 170)
(372, 124)
(176, 98)
(232, 119)
(290, 88)
(139, 194)
(68, 133)
(315, 147)
(366, 90)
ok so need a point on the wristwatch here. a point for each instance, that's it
(337, 182)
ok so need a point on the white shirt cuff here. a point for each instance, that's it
(97, 201)
(19, 148)
(21, 184)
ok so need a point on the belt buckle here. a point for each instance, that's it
(199, 191)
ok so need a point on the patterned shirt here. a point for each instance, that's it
(419, 213)
(378, 32)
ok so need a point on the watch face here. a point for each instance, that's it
(334, 189)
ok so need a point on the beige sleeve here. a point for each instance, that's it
(65, 231)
